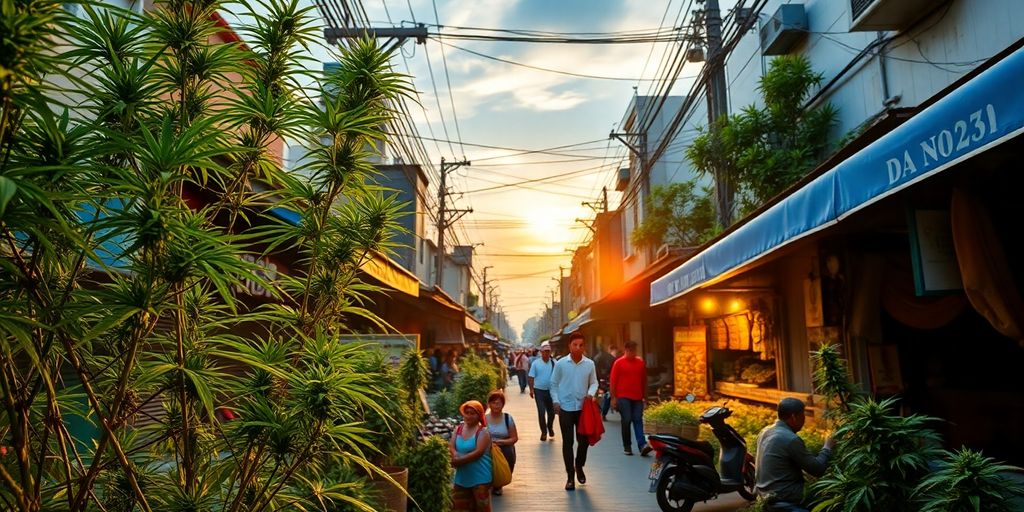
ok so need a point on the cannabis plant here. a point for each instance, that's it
(832, 380)
(879, 457)
(967, 481)
(136, 184)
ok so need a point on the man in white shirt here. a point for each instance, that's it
(540, 391)
(573, 381)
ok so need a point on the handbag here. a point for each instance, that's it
(501, 474)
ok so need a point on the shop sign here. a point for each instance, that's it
(936, 269)
(267, 271)
(394, 345)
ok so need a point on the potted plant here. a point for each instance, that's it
(430, 475)
(671, 418)
(392, 425)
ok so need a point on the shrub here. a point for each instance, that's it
(670, 413)
(477, 378)
(414, 374)
(430, 474)
(444, 405)
(967, 481)
(345, 490)
(879, 458)
(394, 423)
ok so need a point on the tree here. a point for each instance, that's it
(678, 214)
(116, 289)
(765, 150)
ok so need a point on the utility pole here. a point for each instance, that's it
(483, 298)
(444, 220)
(561, 295)
(561, 308)
(718, 105)
(552, 311)
(599, 206)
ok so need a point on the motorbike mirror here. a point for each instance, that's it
(690, 397)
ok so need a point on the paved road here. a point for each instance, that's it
(615, 482)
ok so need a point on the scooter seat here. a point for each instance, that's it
(703, 446)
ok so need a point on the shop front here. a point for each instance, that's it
(904, 254)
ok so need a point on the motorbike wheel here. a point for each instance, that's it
(749, 482)
(666, 503)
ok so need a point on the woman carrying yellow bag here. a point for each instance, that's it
(504, 437)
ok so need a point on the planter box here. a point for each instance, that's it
(393, 499)
(684, 431)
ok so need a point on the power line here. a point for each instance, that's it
(641, 39)
(538, 68)
(544, 151)
(548, 33)
(448, 81)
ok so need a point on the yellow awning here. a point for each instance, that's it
(392, 275)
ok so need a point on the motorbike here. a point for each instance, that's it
(684, 473)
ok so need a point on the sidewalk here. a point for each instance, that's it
(615, 482)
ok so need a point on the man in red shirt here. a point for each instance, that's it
(628, 387)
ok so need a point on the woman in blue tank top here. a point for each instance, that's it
(470, 448)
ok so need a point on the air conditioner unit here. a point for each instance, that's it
(873, 15)
(623, 179)
(786, 28)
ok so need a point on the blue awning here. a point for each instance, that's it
(986, 111)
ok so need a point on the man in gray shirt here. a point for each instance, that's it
(782, 459)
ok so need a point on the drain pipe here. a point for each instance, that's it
(887, 100)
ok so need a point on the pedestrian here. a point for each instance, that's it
(502, 428)
(470, 448)
(782, 459)
(573, 381)
(628, 384)
(603, 363)
(540, 391)
(522, 366)
(449, 370)
(436, 378)
(500, 366)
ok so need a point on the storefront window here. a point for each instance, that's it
(743, 346)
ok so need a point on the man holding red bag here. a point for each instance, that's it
(573, 382)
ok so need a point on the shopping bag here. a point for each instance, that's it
(501, 474)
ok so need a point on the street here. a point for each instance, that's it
(615, 482)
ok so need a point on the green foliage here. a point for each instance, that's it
(671, 413)
(967, 481)
(343, 489)
(430, 474)
(444, 405)
(832, 379)
(759, 505)
(761, 151)
(878, 460)
(678, 214)
(393, 422)
(116, 284)
(477, 378)
(414, 374)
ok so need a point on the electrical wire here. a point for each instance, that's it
(538, 68)
(536, 180)
(448, 82)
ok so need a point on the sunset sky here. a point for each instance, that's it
(528, 230)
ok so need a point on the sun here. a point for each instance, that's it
(543, 222)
